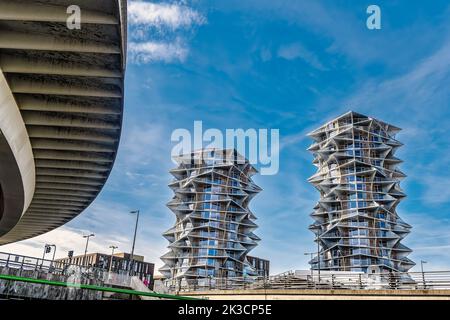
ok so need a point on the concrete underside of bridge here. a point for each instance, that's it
(321, 294)
(61, 106)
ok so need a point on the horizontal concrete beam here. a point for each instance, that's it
(66, 186)
(73, 155)
(50, 144)
(62, 198)
(64, 120)
(88, 87)
(43, 219)
(45, 212)
(35, 131)
(20, 64)
(71, 165)
(69, 105)
(26, 41)
(70, 180)
(71, 173)
(63, 193)
(55, 206)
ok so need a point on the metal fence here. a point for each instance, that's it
(298, 280)
(41, 268)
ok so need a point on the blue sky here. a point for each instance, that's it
(288, 65)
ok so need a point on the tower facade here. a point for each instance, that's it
(214, 226)
(356, 224)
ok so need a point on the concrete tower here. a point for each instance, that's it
(214, 227)
(356, 223)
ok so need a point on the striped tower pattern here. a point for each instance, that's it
(214, 227)
(356, 223)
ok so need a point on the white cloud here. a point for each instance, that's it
(297, 51)
(423, 85)
(437, 189)
(159, 15)
(158, 31)
(152, 51)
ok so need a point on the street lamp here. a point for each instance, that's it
(47, 249)
(137, 212)
(53, 259)
(311, 256)
(423, 274)
(87, 243)
(112, 254)
(318, 255)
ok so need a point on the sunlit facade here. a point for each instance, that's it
(356, 223)
(214, 226)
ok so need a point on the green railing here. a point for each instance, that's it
(95, 288)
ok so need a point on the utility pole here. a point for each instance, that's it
(311, 258)
(53, 259)
(112, 255)
(87, 243)
(318, 256)
(134, 241)
(423, 273)
(46, 250)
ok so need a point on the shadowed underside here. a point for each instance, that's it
(68, 88)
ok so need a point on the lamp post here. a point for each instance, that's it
(87, 243)
(318, 256)
(53, 259)
(423, 273)
(134, 240)
(112, 254)
(311, 256)
(46, 250)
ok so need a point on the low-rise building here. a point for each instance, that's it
(261, 266)
(119, 263)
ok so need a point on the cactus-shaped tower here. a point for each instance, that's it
(356, 223)
(214, 227)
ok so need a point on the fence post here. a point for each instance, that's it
(332, 281)
(423, 280)
(21, 266)
(360, 281)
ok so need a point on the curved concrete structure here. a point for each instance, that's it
(61, 105)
